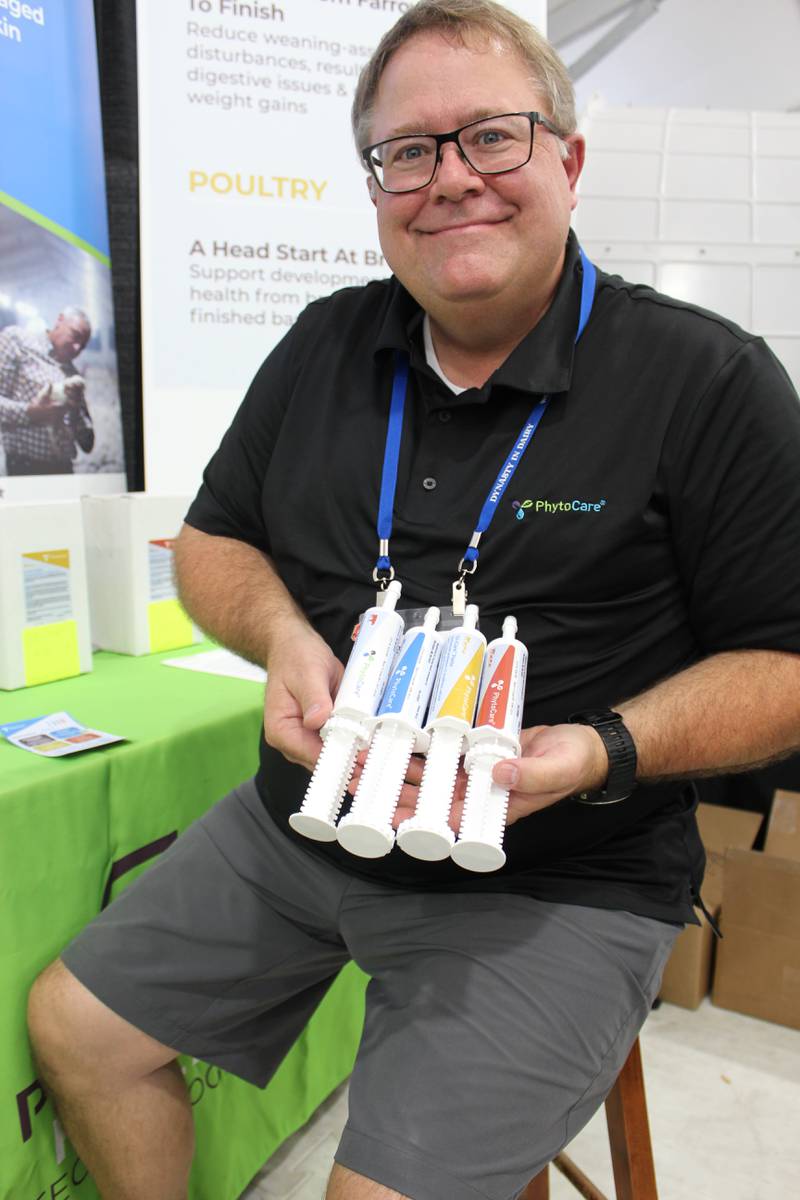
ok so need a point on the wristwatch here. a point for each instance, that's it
(621, 755)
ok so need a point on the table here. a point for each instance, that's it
(73, 833)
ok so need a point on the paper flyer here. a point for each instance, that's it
(56, 735)
(219, 662)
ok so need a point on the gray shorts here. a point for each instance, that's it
(495, 1024)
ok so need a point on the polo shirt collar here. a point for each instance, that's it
(541, 363)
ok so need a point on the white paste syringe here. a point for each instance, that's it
(348, 728)
(427, 834)
(495, 737)
(367, 829)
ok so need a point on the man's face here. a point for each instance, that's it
(68, 337)
(469, 237)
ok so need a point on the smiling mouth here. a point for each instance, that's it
(464, 227)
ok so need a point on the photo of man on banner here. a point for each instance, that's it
(44, 417)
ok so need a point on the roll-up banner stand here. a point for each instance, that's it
(253, 202)
(60, 427)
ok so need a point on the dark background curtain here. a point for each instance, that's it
(116, 45)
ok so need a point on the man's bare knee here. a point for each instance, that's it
(345, 1184)
(73, 1033)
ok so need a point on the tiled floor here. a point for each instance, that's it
(724, 1098)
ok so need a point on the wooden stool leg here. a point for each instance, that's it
(538, 1188)
(629, 1133)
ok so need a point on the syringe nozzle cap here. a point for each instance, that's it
(432, 617)
(510, 629)
(471, 616)
(392, 594)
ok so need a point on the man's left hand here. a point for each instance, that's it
(556, 761)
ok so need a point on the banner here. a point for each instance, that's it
(60, 427)
(253, 200)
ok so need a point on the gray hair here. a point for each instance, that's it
(76, 314)
(458, 20)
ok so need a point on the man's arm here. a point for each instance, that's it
(13, 413)
(731, 712)
(80, 421)
(16, 414)
(234, 592)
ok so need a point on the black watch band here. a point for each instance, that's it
(621, 752)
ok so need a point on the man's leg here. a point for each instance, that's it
(119, 1094)
(347, 1185)
(495, 1026)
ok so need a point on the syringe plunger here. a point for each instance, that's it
(343, 738)
(427, 834)
(367, 829)
(480, 838)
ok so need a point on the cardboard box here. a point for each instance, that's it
(44, 601)
(687, 975)
(133, 599)
(783, 832)
(758, 959)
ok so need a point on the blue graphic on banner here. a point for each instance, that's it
(51, 143)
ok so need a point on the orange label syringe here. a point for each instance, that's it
(349, 726)
(427, 834)
(496, 736)
(367, 829)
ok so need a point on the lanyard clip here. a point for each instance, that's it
(383, 572)
(459, 597)
(467, 566)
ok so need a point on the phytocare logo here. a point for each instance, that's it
(521, 507)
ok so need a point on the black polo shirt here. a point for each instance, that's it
(664, 527)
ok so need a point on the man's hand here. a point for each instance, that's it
(303, 677)
(43, 410)
(75, 390)
(556, 761)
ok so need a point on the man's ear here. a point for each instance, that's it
(372, 188)
(573, 165)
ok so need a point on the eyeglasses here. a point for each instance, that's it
(491, 146)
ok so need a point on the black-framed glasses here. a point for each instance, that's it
(491, 146)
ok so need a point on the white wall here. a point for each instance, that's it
(702, 204)
(703, 53)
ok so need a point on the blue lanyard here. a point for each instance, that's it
(384, 571)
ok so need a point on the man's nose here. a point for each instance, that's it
(454, 175)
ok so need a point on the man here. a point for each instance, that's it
(662, 484)
(43, 412)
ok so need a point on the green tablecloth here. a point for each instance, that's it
(74, 832)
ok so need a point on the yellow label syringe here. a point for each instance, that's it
(427, 834)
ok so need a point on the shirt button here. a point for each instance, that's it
(445, 415)
(429, 484)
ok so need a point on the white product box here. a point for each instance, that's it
(133, 598)
(44, 599)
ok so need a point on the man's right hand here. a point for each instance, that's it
(42, 409)
(303, 676)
